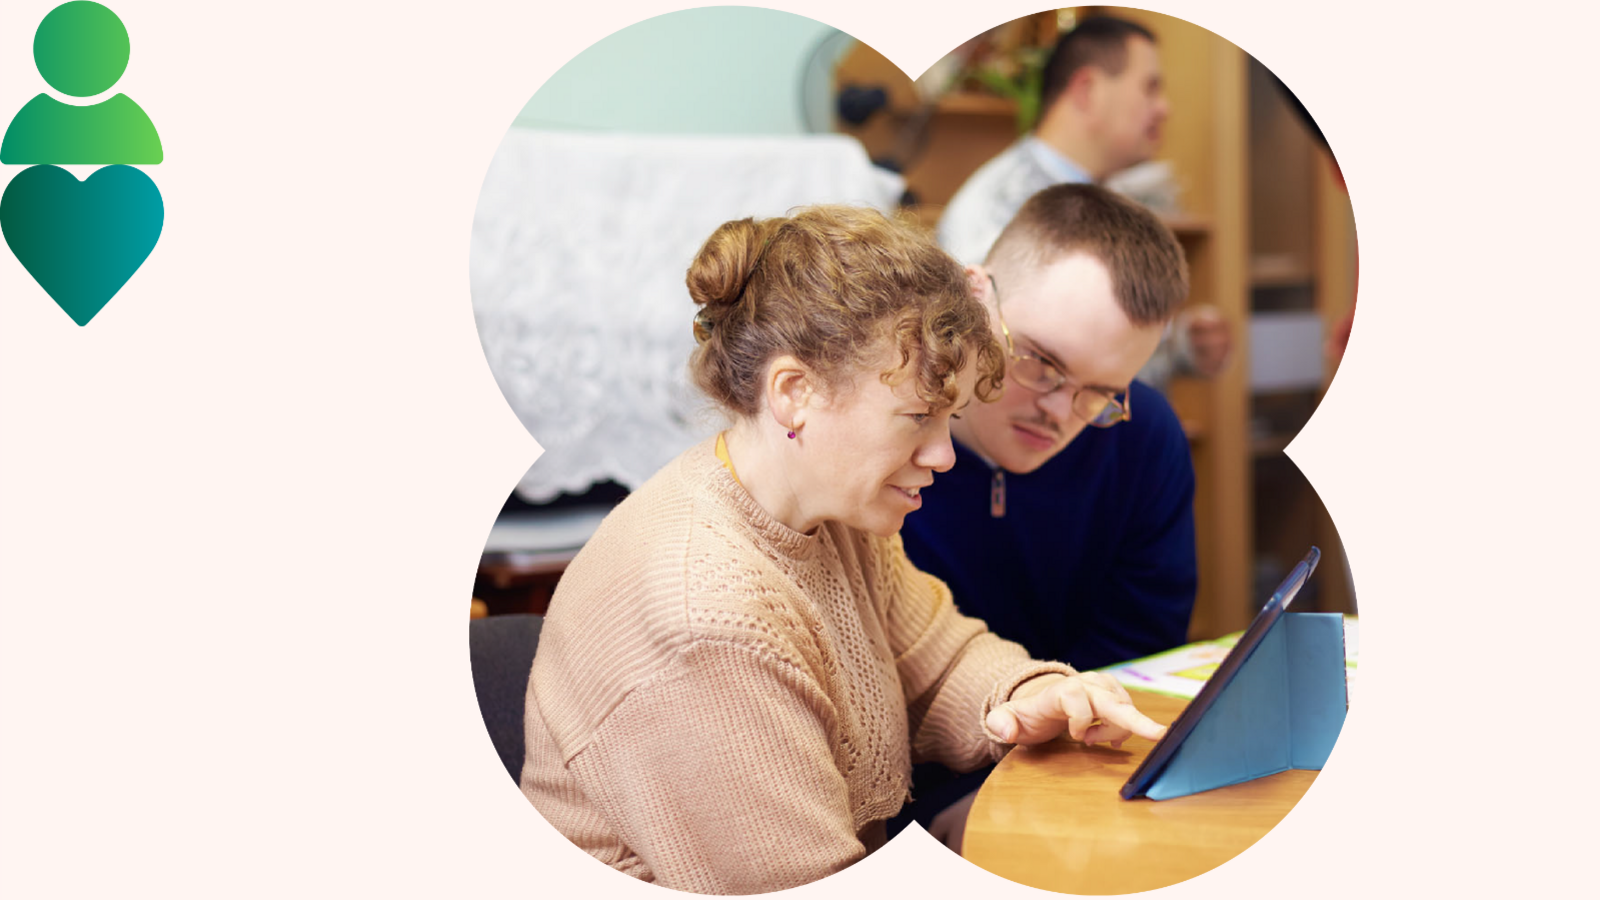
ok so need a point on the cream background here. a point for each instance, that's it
(239, 512)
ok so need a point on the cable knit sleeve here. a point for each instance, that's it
(719, 773)
(954, 671)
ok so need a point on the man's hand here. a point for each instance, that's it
(1340, 339)
(1090, 707)
(1209, 338)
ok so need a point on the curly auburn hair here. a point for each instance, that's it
(829, 285)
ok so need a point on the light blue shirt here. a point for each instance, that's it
(987, 201)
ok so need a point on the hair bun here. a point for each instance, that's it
(723, 266)
(828, 285)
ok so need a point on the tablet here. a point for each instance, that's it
(1150, 769)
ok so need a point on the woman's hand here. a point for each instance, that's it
(1090, 707)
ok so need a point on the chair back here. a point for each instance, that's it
(502, 650)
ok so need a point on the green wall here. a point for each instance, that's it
(714, 70)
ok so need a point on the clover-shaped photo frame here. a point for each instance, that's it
(631, 156)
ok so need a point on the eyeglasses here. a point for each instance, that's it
(1100, 408)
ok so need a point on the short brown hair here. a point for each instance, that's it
(828, 284)
(1099, 41)
(1148, 272)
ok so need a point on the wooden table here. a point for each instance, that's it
(1050, 817)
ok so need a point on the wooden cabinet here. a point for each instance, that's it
(1302, 283)
(1281, 246)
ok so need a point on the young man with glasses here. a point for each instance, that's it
(1067, 522)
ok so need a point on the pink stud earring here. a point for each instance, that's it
(791, 435)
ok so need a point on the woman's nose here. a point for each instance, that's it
(938, 454)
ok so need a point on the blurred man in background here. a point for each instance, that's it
(1102, 109)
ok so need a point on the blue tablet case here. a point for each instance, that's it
(1282, 710)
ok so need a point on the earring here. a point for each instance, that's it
(791, 435)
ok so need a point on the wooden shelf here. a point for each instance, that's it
(1186, 225)
(975, 103)
(1280, 270)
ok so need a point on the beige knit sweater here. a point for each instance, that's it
(724, 705)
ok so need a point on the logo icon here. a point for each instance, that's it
(81, 240)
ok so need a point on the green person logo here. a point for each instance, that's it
(81, 241)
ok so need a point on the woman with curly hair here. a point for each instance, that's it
(738, 670)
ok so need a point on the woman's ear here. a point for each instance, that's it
(791, 391)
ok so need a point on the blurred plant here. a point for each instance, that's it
(1016, 74)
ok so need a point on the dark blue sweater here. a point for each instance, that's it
(1094, 560)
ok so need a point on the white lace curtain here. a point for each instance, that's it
(579, 249)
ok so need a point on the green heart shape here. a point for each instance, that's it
(81, 240)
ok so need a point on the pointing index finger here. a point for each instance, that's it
(1125, 715)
